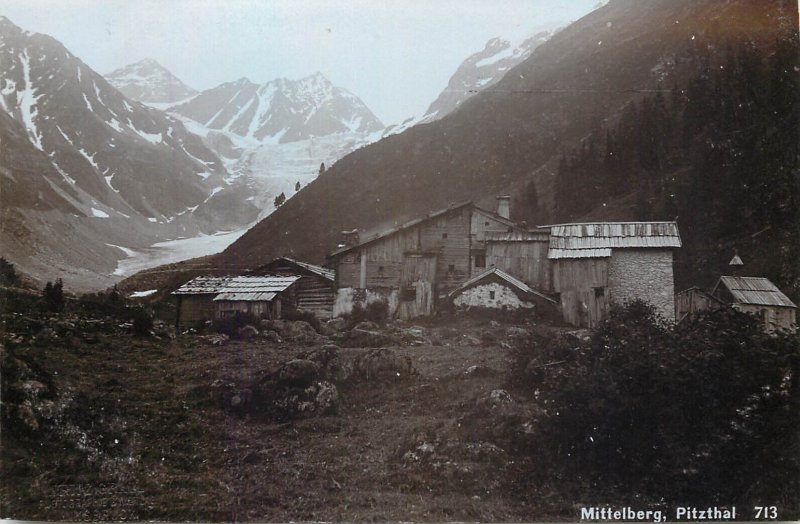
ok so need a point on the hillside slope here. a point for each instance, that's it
(513, 134)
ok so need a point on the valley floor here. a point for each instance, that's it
(138, 430)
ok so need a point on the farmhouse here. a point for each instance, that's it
(416, 265)
(410, 266)
(760, 297)
(314, 291)
(209, 298)
(595, 264)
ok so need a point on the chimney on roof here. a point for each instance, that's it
(736, 263)
(349, 238)
(504, 206)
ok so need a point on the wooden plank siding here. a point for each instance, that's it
(481, 223)
(193, 310)
(582, 287)
(526, 261)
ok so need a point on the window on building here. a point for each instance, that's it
(480, 260)
(599, 292)
(451, 268)
(408, 294)
(444, 235)
(491, 295)
(486, 223)
(380, 269)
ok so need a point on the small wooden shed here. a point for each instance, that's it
(690, 302)
(315, 290)
(760, 297)
(496, 289)
(209, 298)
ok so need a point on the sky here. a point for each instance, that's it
(396, 55)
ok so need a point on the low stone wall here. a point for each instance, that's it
(481, 296)
(346, 297)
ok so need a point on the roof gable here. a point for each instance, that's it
(757, 291)
(411, 223)
(516, 284)
(327, 274)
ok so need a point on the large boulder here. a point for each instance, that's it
(362, 338)
(298, 373)
(319, 398)
(383, 364)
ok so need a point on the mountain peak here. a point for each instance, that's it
(149, 62)
(149, 82)
(7, 25)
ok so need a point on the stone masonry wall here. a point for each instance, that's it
(480, 296)
(644, 274)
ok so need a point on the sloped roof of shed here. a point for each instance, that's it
(597, 239)
(757, 291)
(238, 284)
(518, 284)
(328, 274)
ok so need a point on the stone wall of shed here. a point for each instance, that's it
(644, 274)
(481, 296)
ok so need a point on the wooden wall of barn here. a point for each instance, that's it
(480, 224)
(315, 294)
(582, 286)
(447, 236)
(525, 260)
(690, 302)
(195, 309)
(771, 318)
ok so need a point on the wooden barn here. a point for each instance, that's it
(496, 289)
(209, 298)
(595, 264)
(313, 292)
(413, 265)
(760, 297)
(690, 302)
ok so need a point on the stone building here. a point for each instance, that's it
(596, 264)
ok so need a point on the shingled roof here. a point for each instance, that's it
(596, 240)
(757, 291)
(237, 288)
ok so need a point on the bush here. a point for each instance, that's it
(8, 274)
(103, 303)
(300, 315)
(231, 325)
(54, 296)
(698, 413)
(377, 312)
(142, 322)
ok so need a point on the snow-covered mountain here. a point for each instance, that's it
(479, 71)
(84, 169)
(148, 81)
(281, 110)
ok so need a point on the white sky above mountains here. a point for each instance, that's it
(396, 55)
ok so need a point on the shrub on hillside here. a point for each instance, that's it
(377, 312)
(231, 325)
(701, 413)
(142, 322)
(300, 315)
